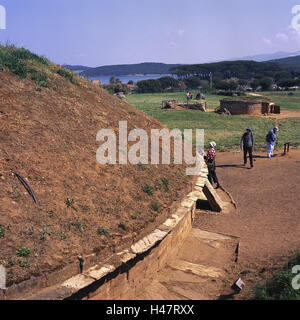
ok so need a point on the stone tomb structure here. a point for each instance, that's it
(172, 104)
(249, 106)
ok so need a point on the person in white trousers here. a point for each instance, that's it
(271, 141)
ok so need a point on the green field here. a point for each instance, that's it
(285, 101)
(225, 130)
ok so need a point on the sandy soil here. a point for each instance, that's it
(284, 114)
(267, 216)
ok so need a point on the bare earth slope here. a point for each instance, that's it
(49, 137)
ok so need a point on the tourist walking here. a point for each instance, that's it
(210, 160)
(247, 144)
(271, 141)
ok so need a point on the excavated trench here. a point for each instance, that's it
(175, 261)
(195, 271)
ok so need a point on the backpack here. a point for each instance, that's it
(268, 137)
(211, 165)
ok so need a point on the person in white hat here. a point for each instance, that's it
(271, 141)
(211, 164)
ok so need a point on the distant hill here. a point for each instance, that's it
(291, 63)
(76, 69)
(268, 57)
(226, 69)
(129, 69)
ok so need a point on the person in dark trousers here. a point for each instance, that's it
(210, 160)
(247, 144)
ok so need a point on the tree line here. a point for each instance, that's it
(227, 75)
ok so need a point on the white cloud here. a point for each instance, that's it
(267, 41)
(296, 33)
(282, 36)
(180, 32)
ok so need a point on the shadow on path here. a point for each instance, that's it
(231, 166)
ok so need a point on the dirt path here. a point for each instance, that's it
(267, 218)
(284, 114)
(265, 226)
(250, 240)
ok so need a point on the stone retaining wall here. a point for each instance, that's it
(123, 274)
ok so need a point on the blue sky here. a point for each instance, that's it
(102, 32)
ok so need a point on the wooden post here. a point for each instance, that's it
(286, 147)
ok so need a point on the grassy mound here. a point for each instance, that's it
(49, 119)
(25, 64)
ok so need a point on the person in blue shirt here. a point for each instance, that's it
(271, 141)
(247, 144)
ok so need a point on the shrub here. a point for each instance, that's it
(45, 231)
(30, 230)
(148, 189)
(2, 231)
(192, 82)
(63, 236)
(44, 84)
(62, 71)
(149, 86)
(165, 183)
(24, 54)
(155, 206)
(141, 166)
(168, 83)
(81, 227)
(15, 60)
(75, 82)
(37, 76)
(122, 226)
(103, 231)
(43, 237)
(25, 263)
(70, 203)
(23, 252)
(11, 262)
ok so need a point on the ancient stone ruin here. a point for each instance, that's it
(173, 104)
(249, 106)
